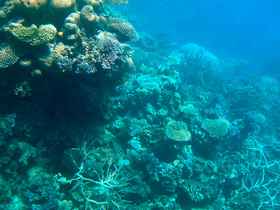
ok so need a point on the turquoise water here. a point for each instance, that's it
(139, 105)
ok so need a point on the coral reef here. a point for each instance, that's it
(87, 124)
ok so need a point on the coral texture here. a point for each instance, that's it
(177, 131)
(126, 30)
(8, 56)
(33, 35)
(216, 127)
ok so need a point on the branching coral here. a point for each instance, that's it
(98, 180)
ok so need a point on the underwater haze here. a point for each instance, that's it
(139, 105)
(241, 29)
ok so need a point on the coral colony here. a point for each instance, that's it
(94, 116)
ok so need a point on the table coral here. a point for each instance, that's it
(177, 131)
(33, 35)
(216, 127)
(125, 30)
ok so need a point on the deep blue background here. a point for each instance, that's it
(247, 30)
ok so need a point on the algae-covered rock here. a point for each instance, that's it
(33, 35)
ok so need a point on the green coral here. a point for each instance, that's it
(33, 35)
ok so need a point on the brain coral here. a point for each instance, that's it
(216, 127)
(177, 131)
(33, 35)
(8, 56)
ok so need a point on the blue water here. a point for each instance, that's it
(242, 29)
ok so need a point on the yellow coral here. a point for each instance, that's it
(33, 35)
(177, 131)
(216, 127)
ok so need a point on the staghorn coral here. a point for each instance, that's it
(33, 35)
(177, 131)
(125, 30)
(216, 127)
(8, 56)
